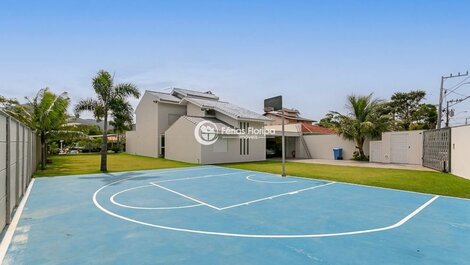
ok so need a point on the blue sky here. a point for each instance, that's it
(314, 53)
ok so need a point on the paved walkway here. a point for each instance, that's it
(360, 164)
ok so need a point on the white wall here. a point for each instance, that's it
(194, 110)
(180, 143)
(152, 120)
(182, 146)
(257, 150)
(321, 146)
(18, 159)
(164, 110)
(414, 153)
(376, 151)
(144, 140)
(460, 151)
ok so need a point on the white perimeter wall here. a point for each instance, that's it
(381, 150)
(460, 151)
(19, 154)
(321, 146)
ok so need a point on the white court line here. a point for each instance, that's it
(399, 223)
(14, 223)
(265, 181)
(351, 184)
(275, 196)
(200, 177)
(186, 196)
(243, 203)
(170, 171)
(147, 208)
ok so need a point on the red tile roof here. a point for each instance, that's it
(315, 129)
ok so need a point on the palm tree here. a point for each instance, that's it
(109, 99)
(46, 114)
(122, 120)
(363, 121)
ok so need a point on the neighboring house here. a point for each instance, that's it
(166, 124)
(297, 129)
(291, 116)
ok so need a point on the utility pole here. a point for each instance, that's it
(442, 95)
(283, 173)
(448, 113)
(448, 110)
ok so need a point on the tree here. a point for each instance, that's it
(109, 98)
(15, 109)
(46, 114)
(425, 118)
(363, 121)
(329, 121)
(408, 112)
(122, 121)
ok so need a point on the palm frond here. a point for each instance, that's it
(125, 90)
(103, 84)
(88, 104)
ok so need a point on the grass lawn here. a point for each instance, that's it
(90, 163)
(411, 180)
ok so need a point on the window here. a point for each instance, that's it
(244, 142)
(210, 112)
(247, 146)
(162, 145)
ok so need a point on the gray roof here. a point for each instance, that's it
(217, 122)
(164, 96)
(193, 93)
(228, 109)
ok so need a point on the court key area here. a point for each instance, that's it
(217, 215)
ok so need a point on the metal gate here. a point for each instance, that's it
(436, 149)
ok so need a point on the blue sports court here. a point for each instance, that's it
(217, 215)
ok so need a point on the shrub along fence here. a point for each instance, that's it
(19, 155)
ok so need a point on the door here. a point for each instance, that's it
(376, 151)
(399, 148)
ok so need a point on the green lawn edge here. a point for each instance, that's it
(80, 164)
(430, 182)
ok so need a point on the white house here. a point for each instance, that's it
(169, 125)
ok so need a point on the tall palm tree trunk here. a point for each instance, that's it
(104, 146)
(360, 147)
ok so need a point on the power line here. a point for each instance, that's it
(455, 87)
(453, 90)
(457, 101)
(451, 103)
(459, 94)
(441, 96)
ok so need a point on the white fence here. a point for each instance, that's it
(18, 159)
(321, 146)
(405, 147)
